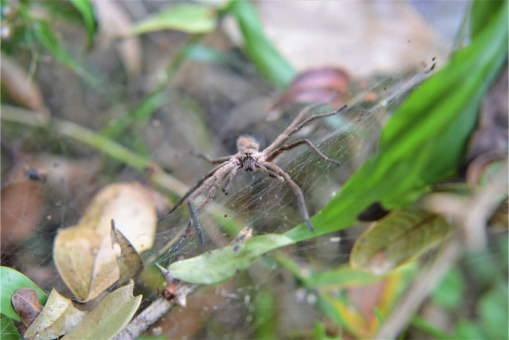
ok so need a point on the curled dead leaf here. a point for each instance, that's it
(315, 86)
(129, 261)
(26, 304)
(57, 318)
(83, 254)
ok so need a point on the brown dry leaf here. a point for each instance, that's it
(18, 87)
(129, 261)
(114, 22)
(360, 37)
(83, 253)
(315, 86)
(22, 202)
(26, 304)
(56, 319)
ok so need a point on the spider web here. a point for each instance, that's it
(255, 201)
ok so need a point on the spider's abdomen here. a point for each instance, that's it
(248, 164)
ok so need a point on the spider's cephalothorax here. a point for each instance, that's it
(248, 158)
(248, 155)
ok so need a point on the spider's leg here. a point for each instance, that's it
(212, 160)
(193, 189)
(296, 189)
(270, 173)
(211, 184)
(188, 232)
(194, 218)
(229, 179)
(218, 178)
(284, 148)
(295, 127)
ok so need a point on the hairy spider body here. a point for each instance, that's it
(249, 158)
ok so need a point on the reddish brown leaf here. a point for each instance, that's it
(315, 86)
(26, 304)
(22, 201)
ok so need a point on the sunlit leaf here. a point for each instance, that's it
(26, 304)
(109, 317)
(56, 319)
(188, 18)
(84, 255)
(7, 329)
(44, 33)
(221, 264)
(10, 281)
(258, 47)
(397, 238)
(87, 12)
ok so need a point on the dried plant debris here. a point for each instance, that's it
(57, 318)
(83, 254)
(26, 305)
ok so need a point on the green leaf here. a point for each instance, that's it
(87, 12)
(493, 311)
(466, 329)
(319, 332)
(482, 12)
(109, 317)
(44, 33)
(428, 328)
(345, 276)
(344, 314)
(11, 281)
(258, 47)
(7, 329)
(221, 264)
(449, 292)
(188, 18)
(422, 144)
(264, 315)
(399, 237)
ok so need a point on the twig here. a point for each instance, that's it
(162, 305)
(416, 294)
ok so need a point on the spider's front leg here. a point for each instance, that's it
(296, 189)
(211, 185)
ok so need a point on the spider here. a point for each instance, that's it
(248, 158)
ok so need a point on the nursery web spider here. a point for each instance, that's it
(248, 158)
